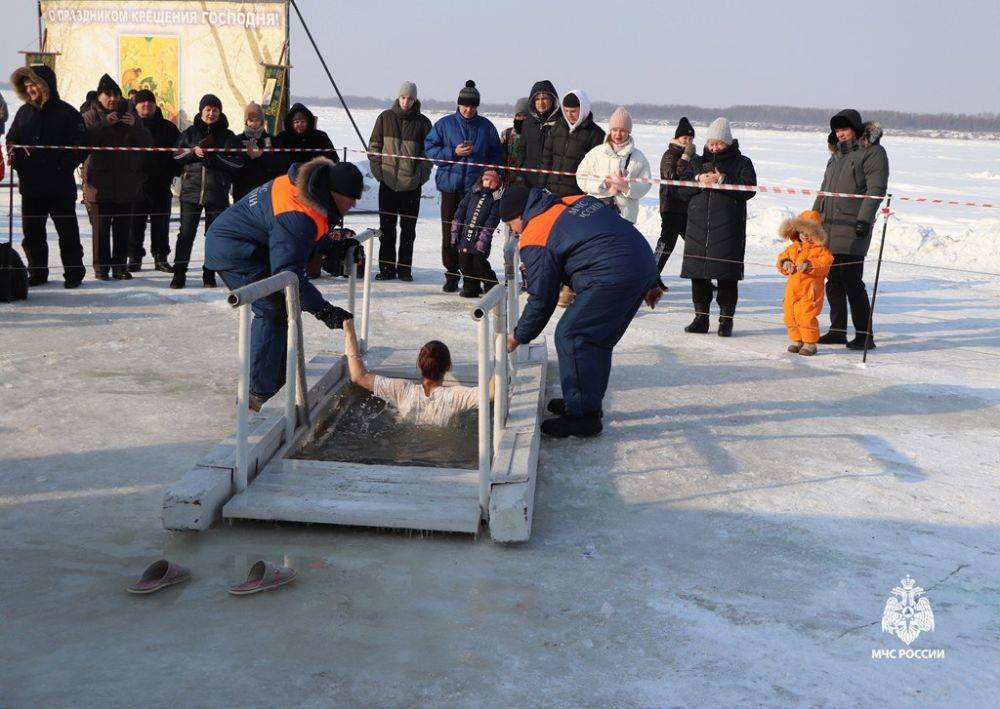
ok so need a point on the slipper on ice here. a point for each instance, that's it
(263, 576)
(157, 575)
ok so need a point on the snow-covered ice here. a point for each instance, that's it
(730, 539)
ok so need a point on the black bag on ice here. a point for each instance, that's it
(13, 275)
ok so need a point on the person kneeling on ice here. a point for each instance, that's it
(278, 227)
(581, 242)
(472, 228)
(428, 403)
(806, 262)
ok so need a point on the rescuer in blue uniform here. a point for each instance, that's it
(278, 227)
(581, 242)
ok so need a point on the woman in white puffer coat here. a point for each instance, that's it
(609, 170)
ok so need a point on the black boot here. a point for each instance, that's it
(405, 275)
(161, 264)
(471, 288)
(450, 283)
(565, 426)
(700, 322)
(135, 264)
(558, 407)
(180, 278)
(208, 278)
(833, 338)
(726, 321)
(858, 343)
(386, 273)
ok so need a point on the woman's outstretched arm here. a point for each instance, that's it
(355, 363)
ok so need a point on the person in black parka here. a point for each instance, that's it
(161, 169)
(472, 229)
(716, 234)
(113, 181)
(569, 140)
(301, 133)
(543, 114)
(206, 180)
(674, 165)
(46, 178)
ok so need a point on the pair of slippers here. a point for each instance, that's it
(263, 576)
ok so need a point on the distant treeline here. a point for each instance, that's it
(768, 116)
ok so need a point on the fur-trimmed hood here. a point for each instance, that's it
(871, 135)
(312, 185)
(40, 75)
(791, 228)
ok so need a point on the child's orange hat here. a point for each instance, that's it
(812, 215)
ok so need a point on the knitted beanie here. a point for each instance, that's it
(143, 95)
(513, 202)
(684, 127)
(719, 130)
(620, 119)
(407, 88)
(345, 178)
(469, 95)
(571, 100)
(522, 105)
(253, 110)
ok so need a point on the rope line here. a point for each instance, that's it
(763, 189)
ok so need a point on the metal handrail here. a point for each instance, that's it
(295, 386)
(500, 306)
(296, 394)
(366, 240)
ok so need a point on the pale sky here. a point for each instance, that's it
(909, 56)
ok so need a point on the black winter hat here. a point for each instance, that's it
(108, 86)
(848, 118)
(144, 95)
(469, 95)
(513, 202)
(684, 127)
(571, 100)
(345, 178)
(209, 100)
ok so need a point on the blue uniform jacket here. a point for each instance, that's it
(579, 241)
(274, 228)
(447, 134)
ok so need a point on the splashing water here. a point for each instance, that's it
(358, 427)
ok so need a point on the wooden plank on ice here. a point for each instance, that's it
(330, 505)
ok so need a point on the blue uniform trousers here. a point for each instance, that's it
(268, 332)
(585, 337)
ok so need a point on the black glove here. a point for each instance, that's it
(861, 229)
(338, 248)
(333, 317)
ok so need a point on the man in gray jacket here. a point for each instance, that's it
(859, 165)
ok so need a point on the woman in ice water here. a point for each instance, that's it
(428, 402)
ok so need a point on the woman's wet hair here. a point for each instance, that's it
(434, 360)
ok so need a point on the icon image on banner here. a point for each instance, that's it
(907, 612)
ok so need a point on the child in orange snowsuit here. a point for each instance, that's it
(806, 262)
